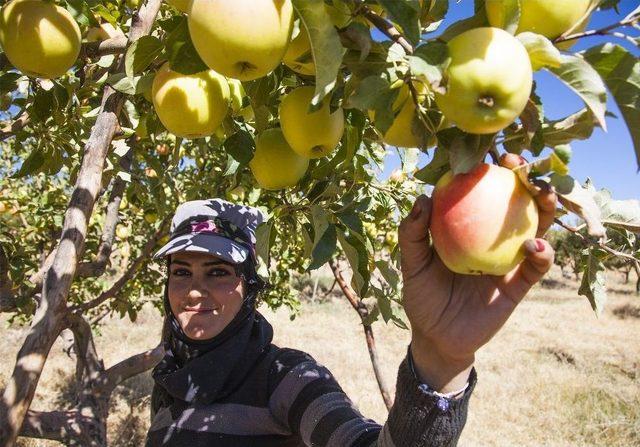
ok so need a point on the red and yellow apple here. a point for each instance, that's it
(241, 39)
(39, 38)
(488, 81)
(312, 135)
(274, 164)
(480, 220)
(190, 106)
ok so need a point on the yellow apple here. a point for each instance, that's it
(190, 106)
(274, 164)
(150, 216)
(180, 5)
(489, 80)
(123, 232)
(551, 18)
(400, 134)
(237, 95)
(133, 4)
(103, 32)
(479, 220)
(241, 39)
(312, 135)
(298, 56)
(39, 38)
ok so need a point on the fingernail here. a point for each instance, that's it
(530, 246)
(539, 246)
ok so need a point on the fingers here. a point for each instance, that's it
(537, 262)
(413, 238)
(511, 161)
(547, 202)
(546, 199)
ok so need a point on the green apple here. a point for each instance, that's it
(489, 80)
(312, 135)
(190, 106)
(103, 32)
(133, 4)
(274, 164)
(241, 39)
(551, 18)
(39, 38)
(237, 95)
(401, 134)
(298, 56)
(180, 5)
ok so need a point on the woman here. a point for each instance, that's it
(223, 383)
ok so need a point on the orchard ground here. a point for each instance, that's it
(554, 376)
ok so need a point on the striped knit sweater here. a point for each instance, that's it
(290, 400)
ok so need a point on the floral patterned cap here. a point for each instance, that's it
(223, 229)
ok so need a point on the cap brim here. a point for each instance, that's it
(219, 246)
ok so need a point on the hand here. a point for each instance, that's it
(453, 315)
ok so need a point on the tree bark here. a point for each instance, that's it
(49, 318)
(363, 312)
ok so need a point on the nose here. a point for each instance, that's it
(197, 289)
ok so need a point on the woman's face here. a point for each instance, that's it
(205, 293)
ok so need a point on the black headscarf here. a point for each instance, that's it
(200, 372)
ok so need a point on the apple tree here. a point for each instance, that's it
(123, 110)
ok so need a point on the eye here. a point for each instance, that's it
(219, 272)
(180, 272)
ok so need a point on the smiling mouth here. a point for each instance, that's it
(214, 311)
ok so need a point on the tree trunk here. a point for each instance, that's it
(363, 312)
(50, 315)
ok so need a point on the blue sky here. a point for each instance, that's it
(607, 158)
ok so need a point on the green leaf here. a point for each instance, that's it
(465, 150)
(576, 73)
(240, 146)
(429, 62)
(263, 242)
(367, 92)
(618, 213)
(438, 167)
(325, 239)
(390, 275)
(478, 20)
(325, 45)
(620, 71)
(580, 201)
(9, 81)
(140, 54)
(406, 14)
(542, 52)
(509, 14)
(182, 55)
(32, 164)
(578, 126)
(593, 279)
(356, 253)
(123, 83)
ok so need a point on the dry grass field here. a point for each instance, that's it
(554, 376)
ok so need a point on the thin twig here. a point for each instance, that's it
(599, 244)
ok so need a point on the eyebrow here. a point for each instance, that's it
(205, 264)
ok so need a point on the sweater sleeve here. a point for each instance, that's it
(306, 398)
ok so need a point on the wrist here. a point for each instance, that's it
(443, 374)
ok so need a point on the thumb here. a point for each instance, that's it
(413, 238)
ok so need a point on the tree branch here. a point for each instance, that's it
(630, 20)
(386, 27)
(130, 367)
(599, 244)
(16, 125)
(48, 320)
(128, 274)
(363, 312)
(7, 299)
